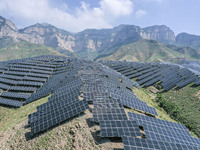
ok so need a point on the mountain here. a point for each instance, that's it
(161, 33)
(89, 41)
(25, 49)
(190, 40)
(147, 51)
(92, 43)
(193, 53)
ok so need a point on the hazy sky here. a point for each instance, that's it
(75, 15)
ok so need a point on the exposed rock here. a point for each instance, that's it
(159, 33)
(101, 42)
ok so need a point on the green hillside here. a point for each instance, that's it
(146, 51)
(25, 49)
(183, 105)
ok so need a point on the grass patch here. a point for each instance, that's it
(25, 49)
(150, 98)
(9, 117)
(183, 105)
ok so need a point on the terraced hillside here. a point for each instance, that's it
(85, 105)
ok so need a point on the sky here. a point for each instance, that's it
(77, 15)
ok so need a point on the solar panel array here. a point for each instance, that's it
(163, 131)
(147, 74)
(131, 143)
(74, 83)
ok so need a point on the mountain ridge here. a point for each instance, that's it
(150, 51)
(89, 43)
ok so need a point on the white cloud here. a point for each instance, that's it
(140, 13)
(84, 17)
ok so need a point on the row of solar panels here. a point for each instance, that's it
(28, 77)
(109, 112)
(148, 74)
(109, 92)
(62, 105)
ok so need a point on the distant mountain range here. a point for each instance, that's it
(152, 51)
(96, 44)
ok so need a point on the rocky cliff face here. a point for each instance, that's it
(161, 33)
(188, 40)
(38, 34)
(7, 29)
(105, 39)
(89, 40)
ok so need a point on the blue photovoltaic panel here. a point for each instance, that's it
(57, 116)
(136, 104)
(118, 128)
(160, 137)
(159, 122)
(22, 89)
(15, 95)
(108, 114)
(132, 143)
(4, 86)
(10, 102)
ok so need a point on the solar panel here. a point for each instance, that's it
(26, 78)
(107, 103)
(8, 81)
(4, 86)
(57, 116)
(29, 83)
(16, 73)
(145, 75)
(126, 70)
(10, 102)
(146, 79)
(129, 74)
(22, 89)
(148, 144)
(108, 114)
(19, 69)
(197, 82)
(51, 105)
(138, 104)
(15, 95)
(38, 75)
(41, 71)
(185, 82)
(160, 137)
(170, 132)
(11, 77)
(153, 81)
(118, 128)
(158, 122)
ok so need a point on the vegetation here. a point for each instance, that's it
(147, 51)
(9, 117)
(183, 105)
(25, 49)
(180, 111)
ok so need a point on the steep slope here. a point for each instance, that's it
(25, 49)
(161, 33)
(146, 51)
(193, 53)
(89, 43)
(188, 40)
(48, 35)
(183, 105)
